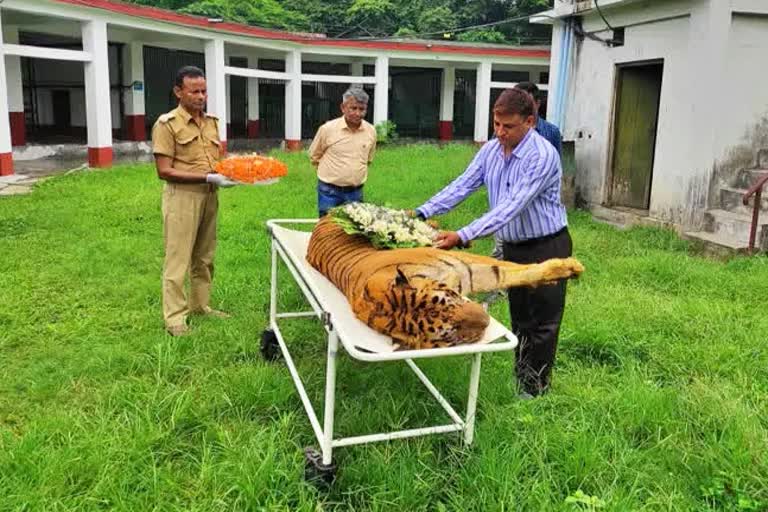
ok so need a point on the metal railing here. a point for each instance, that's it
(757, 191)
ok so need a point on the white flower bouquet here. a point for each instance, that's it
(386, 228)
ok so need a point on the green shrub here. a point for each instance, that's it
(386, 132)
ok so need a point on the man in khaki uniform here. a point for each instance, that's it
(186, 147)
(341, 151)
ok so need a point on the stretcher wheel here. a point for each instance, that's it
(270, 348)
(315, 472)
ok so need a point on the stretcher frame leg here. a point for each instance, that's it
(330, 397)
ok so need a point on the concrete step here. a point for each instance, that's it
(717, 244)
(730, 198)
(748, 177)
(735, 226)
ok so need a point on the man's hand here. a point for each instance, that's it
(448, 240)
(219, 180)
(415, 215)
(412, 214)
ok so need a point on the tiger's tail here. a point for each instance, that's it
(485, 274)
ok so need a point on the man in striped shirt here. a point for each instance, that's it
(521, 172)
(544, 128)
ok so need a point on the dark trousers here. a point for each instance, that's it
(329, 196)
(536, 313)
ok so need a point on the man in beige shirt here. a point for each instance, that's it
(185, 142)
(341, 151)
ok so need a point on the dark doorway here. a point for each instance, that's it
(638, 90)
(238, 100)
(62, 110)
(160, 67)
(414, 100)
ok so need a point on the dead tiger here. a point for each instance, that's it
(416, 296)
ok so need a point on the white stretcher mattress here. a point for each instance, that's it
(355, 335)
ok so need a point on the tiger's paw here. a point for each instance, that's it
(556, 269)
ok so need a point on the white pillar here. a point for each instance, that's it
(356, 68)
(445, 123)
(381, 93)
(6, 158)
(482, 100)
(15, 89)
(134, 122)
(446, 98)
(253, 101)
(217, 89)
(97, 94)
(228, 87)
(533, 75)
(293, 100)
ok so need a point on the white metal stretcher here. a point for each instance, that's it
(360, 342)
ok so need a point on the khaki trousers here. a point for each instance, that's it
(189, 234)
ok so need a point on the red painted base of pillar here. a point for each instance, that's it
(135, 127)
(445, 130)
(293, 145)
(253, 128)
(222, 147)
(6, 164)
(100, 157)
(18, 128)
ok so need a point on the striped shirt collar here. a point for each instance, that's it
(519, 150)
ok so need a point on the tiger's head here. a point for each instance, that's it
(426, 313)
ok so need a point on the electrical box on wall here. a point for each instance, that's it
(583, 5)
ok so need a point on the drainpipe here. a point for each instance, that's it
(563, 68)
(560, 76)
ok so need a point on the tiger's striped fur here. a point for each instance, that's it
(416, 295)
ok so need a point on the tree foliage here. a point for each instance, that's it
(482, 36)
(424, 19)
(264, 13)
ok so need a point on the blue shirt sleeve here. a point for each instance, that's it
(557, 139)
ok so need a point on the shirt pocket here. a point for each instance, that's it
(364, 151)
(187, 145)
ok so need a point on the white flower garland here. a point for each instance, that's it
(385, 227)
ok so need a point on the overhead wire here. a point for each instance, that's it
(580, 31)
(600, 12)
(454, 30)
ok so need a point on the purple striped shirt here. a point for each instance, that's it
(523, 191)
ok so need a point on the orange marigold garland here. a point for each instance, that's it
(252, 168)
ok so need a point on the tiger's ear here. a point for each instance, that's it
(401, 279)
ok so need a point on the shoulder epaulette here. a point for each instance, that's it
(166, 117)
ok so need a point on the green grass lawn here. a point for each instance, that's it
(659, 399)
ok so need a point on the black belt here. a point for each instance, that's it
(350, 188)
(531, 241)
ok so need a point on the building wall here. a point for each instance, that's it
(589, 114)
(713, 115)
(745, 120)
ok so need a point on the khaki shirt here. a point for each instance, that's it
(193, 147)
(341, 154)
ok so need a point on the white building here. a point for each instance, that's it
(78, 67)
(667, 108)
